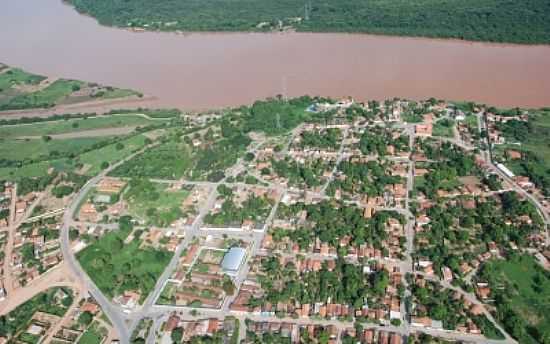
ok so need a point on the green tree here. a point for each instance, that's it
(85, 318)
(177, 335)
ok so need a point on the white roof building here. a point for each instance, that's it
(232, 260)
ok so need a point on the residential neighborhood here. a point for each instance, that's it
(359, 223)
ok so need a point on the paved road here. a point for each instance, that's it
(14, 224)
(113, 312)
(55, 277)
(337, 162)
(472, 299)
(534, 200)
(8, 250)
(125, 323)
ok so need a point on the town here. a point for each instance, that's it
(305, 220)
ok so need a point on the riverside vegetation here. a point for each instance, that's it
(523, 21)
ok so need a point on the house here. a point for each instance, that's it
(110, 185)
(129, 299)
(483, 292)
(421, 321)
(90, 307)
(524, 182)
(447, 274)
(423, 129)
(513, 154)
(213, 325)
(20, 207)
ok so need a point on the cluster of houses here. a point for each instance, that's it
(40, 323)
(387, 307)
(241, 194)
(196, 328)
(199, 279)
(5, 202)
(161, 238)
(496, 137)
(190, 206)
(71, 330)
(393, 244)
(485, 251)
(104, 201)
(34, 251)
(468, 310)
(294, 332)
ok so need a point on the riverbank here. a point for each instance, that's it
(98, 107)
(204, 71)
(523, 21)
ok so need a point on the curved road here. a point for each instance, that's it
(117, 317)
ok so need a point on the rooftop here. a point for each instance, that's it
(233, 259)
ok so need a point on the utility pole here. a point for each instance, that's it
(283, 86)
(307, 10)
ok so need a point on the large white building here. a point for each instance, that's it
(233, 260)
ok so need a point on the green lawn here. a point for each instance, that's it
(116, 267)
(412, 118)
(18, 90)
(73, 125)
(38, 148)
(111, 154)
(91, 336)
(471, 121)
(16, 77)
(38, 156)
(169, 161)
(534, 142)
(522, 287)
(44, 98)
(443, 128)
(164, 203)
(29, 338)
(32, 170)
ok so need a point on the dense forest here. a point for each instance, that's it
(519, 21)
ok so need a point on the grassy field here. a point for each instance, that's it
(169, 161)
(38, 148)
(22, 90)
(116, 267)
(44, 98)
(443, 128)
(74, 125)
(164, 203)
(29, 150)
(111, 153)
(17, 77)
(91, 159)
(471, 121)
(526, 287)
(32, 170)
(533, 139)
(412, 118)
(521, 21)
(91, 336)
(538, 142)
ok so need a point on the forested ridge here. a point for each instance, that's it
(518, 21)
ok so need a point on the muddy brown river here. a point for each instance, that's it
(196, 71)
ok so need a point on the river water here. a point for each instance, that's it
(195, 71)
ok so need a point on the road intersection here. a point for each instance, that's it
(124, 321)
